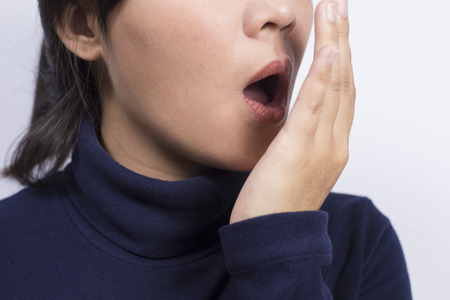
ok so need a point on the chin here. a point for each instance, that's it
(239, 154)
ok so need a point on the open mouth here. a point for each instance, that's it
(264, 90)
(269, 86)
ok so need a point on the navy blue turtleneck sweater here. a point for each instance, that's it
(99, 231)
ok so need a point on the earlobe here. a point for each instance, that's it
(79, 31)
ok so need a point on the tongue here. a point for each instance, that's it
(256, 93)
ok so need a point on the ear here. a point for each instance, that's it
(79, 31)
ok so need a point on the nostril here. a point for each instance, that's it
(274, 15)
(268, 25)
(284, 23)
(288, 28)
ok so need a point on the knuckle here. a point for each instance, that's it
(346, 81)
(342, 156)
(351, 92)
(343, 28)
(348, 86)
(315, 107)
(340, 160)
(322, 78)
(335, 84)
(343, 32)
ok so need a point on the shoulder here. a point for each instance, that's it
(353, 210)
(366, 249)
(356, 222)
(31, 221)
(30, 210)
(336, 202)
(29, 196)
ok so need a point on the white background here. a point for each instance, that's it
(400, 147)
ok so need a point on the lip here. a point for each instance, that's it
(275, 111)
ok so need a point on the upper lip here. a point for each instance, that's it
(281, 69)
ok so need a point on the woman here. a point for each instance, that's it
(166, 106)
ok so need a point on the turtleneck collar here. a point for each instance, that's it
(149, 217)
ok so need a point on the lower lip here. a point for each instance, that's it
(271, 113)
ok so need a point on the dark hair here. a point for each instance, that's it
(65, 92)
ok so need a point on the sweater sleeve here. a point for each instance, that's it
(279, 256)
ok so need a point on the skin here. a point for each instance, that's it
(173, 99)
(171, 76)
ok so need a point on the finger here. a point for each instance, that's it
(324, 25)
(345, 114)
(306, 112)
(326, 32)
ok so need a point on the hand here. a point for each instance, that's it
(306, 158)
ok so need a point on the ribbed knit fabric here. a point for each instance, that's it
(99, 231)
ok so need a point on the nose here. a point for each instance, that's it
(269, 15)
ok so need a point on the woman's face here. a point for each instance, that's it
(178, 96)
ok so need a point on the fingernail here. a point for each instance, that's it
(330, 12)
(342, 8)
(332, 56)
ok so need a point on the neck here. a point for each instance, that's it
(146, 216)
(140, 150)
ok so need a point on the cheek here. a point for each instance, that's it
(155, 52)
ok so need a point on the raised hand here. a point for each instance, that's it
(306, 158)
